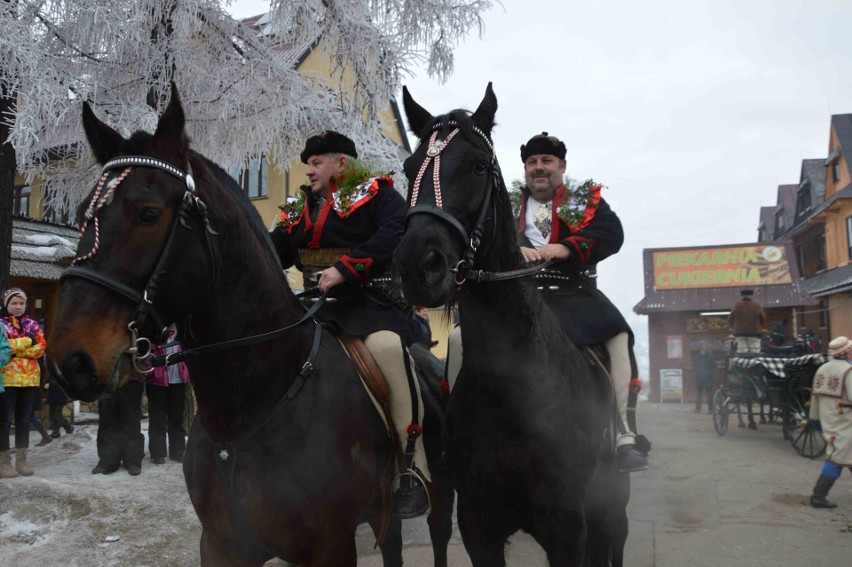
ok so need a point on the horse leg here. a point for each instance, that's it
(441, 516)
(751, 423)
(392, 546)
(483, 540)
(563, 537)
(219, 552)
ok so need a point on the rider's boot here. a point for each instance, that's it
(818, 498)
(627, 457)
(410, 499)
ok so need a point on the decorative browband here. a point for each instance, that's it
(142, 161)
(479, 132)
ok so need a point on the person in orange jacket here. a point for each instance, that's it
(21, 380)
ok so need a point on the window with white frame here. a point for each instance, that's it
(254, 177)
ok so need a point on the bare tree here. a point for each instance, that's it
(243, 93)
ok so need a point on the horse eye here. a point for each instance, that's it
(149, 216)
(481, 167)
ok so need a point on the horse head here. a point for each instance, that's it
(459, 214)
(128, 279)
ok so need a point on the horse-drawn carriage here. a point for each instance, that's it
(781, 385)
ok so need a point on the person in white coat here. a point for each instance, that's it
(831, 405)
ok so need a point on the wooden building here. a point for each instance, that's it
(689, 293)
(40, 251)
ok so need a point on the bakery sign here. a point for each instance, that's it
(733, 266)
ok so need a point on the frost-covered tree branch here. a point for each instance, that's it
(242, 91)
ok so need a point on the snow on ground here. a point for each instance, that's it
(64, 515)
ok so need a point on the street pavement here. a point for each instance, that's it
(706, 500)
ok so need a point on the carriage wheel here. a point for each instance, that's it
(720, 411)
(806, 440)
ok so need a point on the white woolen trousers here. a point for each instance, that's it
(387, 348)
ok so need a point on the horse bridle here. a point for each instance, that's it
(463, 270)
(140, 347)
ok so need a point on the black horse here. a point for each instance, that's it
(287, 454)
(527, 419)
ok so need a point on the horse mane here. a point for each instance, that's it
(224, 179)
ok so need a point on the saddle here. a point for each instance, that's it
(371, 376)
(377, 388)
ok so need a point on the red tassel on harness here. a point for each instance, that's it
(445, 387)
(414, 431)
(635, 386)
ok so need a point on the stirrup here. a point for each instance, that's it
(396, 487)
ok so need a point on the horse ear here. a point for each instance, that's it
(171, 125)
(418, 116)
(484, 115)
(104, 141)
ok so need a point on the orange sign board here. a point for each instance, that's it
(734, 266)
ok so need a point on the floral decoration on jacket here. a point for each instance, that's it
(356, 186)
(580, 205)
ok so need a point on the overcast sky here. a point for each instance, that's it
(692, 112)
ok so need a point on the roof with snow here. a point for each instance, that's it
(40, 249)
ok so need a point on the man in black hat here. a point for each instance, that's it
(575, 229)
(746, 321)
(341, 234)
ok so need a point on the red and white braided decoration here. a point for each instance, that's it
(95, 205)
(433, 151)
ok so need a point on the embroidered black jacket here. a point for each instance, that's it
(586, 314)
(371, 230)
(598, 237)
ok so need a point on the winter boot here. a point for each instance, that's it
(818, 498)
(21, 463)
(6, 468)
(411, 499)
(45, 438)
(69, 429)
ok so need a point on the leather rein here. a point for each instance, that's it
(140, 346)
(464, 269)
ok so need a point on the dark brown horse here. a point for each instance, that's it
(287, 454)
(526, 421)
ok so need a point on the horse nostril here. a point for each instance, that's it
(79, 370)
(434, 264)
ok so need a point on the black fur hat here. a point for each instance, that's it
(543, 143)
(328, 142)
